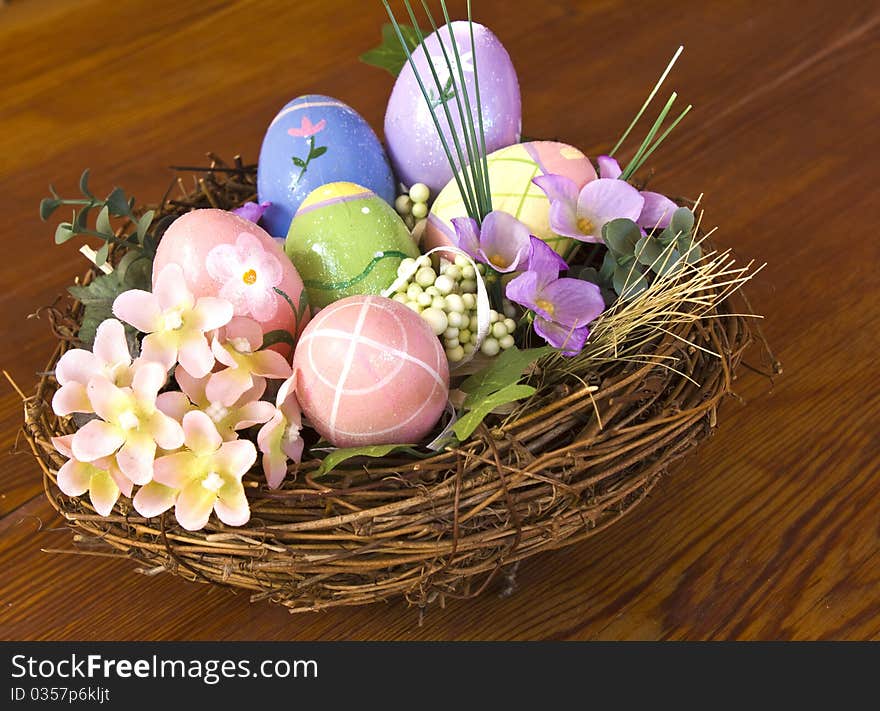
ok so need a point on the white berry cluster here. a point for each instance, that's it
(448, 302)
(413, 206)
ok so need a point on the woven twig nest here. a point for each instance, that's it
(580, 454)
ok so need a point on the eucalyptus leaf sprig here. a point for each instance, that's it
(116, 205)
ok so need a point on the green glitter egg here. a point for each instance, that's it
(346, 240)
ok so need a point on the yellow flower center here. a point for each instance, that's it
(545, 305)
(249, 277)
(172, 320)
(213, 481)
(499, 261)
(586, 226)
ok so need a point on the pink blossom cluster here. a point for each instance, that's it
(180, 448)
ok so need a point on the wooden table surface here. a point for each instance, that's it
(770, 530)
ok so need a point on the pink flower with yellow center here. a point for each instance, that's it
(279, 439)
(249, 274)
(102, 478)
(176, 323)
(130, 425)
(245, 412)
(109, 357)
(247, 365)
(207, 474)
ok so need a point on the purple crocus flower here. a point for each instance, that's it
(252, 211)
(581, 215)
(563, 307)
(657, 210)
(502, 242)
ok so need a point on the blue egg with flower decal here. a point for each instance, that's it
(312, 141)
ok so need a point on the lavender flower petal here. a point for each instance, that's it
(523, 290)
(467, 236)
(252, 211)
(569, 340)
(608, 167)
(607, 199)
(504, 242)
(657, 210)
(571, 302)
(544, 262)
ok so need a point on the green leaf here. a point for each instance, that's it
(338, 456)
(389, 55)
(670, 265)
(629, 282)
(47, 207)
(101, 254)
(468, 422)
(682, 222)
(503, 371)
(318, 152)
(648, 251)
(278, 336)
(102, 224)
(84, 184)
(621, 236)
(606, 271)
(299, 162)
(81, 221)
(97, 300)
(117, 203)
(135, 270)
(144, 223)
(63, 232)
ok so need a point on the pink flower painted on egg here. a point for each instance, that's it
(249, 275)
(307, 129)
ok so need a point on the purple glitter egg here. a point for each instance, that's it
(414, 145)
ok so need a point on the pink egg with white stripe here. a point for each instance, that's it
(370, 371)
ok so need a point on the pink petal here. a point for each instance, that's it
(467, 235)
(136, 457)
(558, 188)
(269, 269)
(175, 470)
(166, 431)
(149, 379)
(254, 393)
(247, 246)
(103, 493)
(607, 199)
(223, 262)
(174, 404)
(160, 348)
(107, 400)
(193, 387)
(139, 308)
(223, 356)
(226, 386)
(111, 347)
(125, 484)
(657, 211)
(195, 355)
(72, 397)
(262, 303)
(287, 392)
(234, 291)
(270, 433)
(254, 413)
(63, 444)
(154, 499)
(96, 439)
(608, 167)
(193, 506)
(171, 289)
(237, 457)
(293, 448)
(76, 366)
(270, 364)
(231, 505)
(74, 477)
(201, 434)
(211, 312)
(274, 468)
(247, 328)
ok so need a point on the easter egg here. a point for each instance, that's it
(225, 255)
(370, 371)
(511, 170)
(346, 240)
(414, 145)
(315, 140)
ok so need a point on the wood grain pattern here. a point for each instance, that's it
(769, 531)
